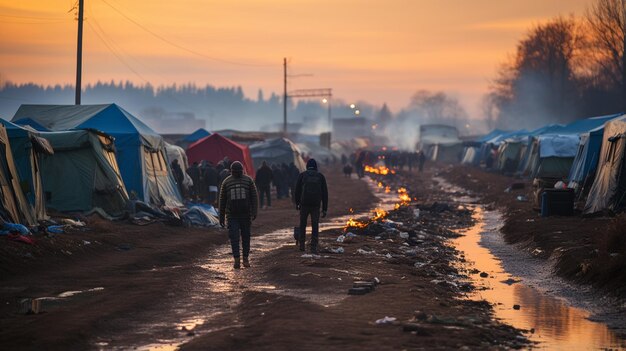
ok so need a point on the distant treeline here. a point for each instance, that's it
(564, 69)
(223, 107)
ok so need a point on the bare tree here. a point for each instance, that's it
(606, 20)
(539, 83)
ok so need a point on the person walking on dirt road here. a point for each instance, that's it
(311, 191)
(239, 204)
(264, 177)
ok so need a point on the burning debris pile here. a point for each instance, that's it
(416, 234)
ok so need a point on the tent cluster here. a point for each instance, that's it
(82, 159)
(587, 155)
(101, 158)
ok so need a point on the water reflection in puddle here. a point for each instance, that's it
(556, 325)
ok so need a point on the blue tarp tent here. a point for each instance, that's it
(140, 150)
(586, 160)
(577, 128)
(197, 135)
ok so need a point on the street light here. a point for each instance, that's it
(330, 124)
(352, 106)
(357, 112)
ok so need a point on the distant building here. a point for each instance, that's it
(171, 122)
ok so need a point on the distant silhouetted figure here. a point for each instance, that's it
(264, 177)
(347, 170)
(311, 193)
(421, 159)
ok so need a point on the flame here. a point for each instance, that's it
(405, 199)
(379, 213)
(352, 223)
(387, 190)
(382, 170)
(380, 184)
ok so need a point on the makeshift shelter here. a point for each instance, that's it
(277, 151)
(471, 156)
(608, 191)
(140, 150)
(447, 152)
(27, 148)
(175, 152)
(577, 128)
(552, 155)
(509, 154)
(14, 205)
(195, 136)
(215, 147)
(82, 175)
(586, 161)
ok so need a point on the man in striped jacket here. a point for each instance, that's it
(238, 203)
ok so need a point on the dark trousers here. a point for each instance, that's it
(239, 227)
(265, 190)
(305, 211)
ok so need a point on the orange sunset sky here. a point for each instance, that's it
(378, 51)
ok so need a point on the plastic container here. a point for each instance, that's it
(557, 202)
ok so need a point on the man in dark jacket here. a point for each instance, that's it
(311, 192)
(194, 174)
(278, 180)
(263, 180)
(238, 204)
(211, 180)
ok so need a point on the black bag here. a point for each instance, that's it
(238, 202)
(311, 189)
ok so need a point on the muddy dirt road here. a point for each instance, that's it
(160, 287)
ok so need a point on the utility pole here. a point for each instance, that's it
(79, 52)
(285, 96)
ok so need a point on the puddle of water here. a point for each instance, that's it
(556, 324)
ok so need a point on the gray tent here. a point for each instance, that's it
(82, 175)
(27, 148)
(609, 186)
(277, 151)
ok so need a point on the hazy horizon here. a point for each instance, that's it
(379, 53)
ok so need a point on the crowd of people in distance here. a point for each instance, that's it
(398, 160)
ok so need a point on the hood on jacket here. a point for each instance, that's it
(311, 164)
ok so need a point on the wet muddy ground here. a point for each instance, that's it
(162, 288)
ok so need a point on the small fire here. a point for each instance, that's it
(380, 184)
(353, 223)
(382, 170)
(379, 213)
(387, 190)
(405, 199)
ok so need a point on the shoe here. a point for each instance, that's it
(246, 263)
(314, 250)
(237, 264)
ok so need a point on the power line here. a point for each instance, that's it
(118, 52)
(115, 53)
(156, 35)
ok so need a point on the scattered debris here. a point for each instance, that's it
(386, 320)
